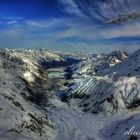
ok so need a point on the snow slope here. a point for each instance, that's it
(113, 91)
(20, 116)
(103, 95)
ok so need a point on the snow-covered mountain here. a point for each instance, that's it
(115, 89)
(21, 93)
(92, 64)
(48, 95)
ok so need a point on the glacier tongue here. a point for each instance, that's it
(70, 123)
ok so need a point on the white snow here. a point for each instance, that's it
(105, 99)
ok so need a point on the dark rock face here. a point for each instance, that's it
(55, 63)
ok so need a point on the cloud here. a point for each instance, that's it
(12, 22)
(128, 30)
(102, 9)
(94, 32)
(46, 24)
(72, 34)
(71, 7)
(33, 23)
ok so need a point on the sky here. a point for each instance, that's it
(69, 25)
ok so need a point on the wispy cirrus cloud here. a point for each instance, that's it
(71, 25)
(12, 22)
(71, 7)
(93, 32)
(70, 34)
(44, 23)
(102, 9)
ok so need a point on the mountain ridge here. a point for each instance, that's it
(99, 87)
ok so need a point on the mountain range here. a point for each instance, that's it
(53, 95)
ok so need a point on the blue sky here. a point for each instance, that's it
(69, 25)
